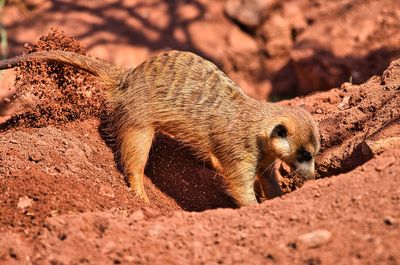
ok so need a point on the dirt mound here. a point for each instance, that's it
(351, 118)
(57, 93)
(62, 170)
(352, 115)
(64, 200)
(90, 217)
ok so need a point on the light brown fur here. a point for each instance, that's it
(184, 95)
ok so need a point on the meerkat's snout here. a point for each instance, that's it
(304, 163)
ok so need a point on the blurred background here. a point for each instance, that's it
(274, 49)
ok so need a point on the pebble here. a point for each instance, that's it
(246, 12)
(54, 213)
(155, 230)
(109, 247)
(314, 239)
(318, 111)
(389, 220)
(73, 168)
(345, 103)
(107, 191)
(36, 157)
(386, 163)
(137, 216)
(258, 224)
(24, 202)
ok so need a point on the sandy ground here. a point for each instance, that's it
(63, 199)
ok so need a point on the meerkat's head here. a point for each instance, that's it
(294, 138)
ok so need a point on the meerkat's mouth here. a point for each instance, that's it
(283, 170)
(287, 176)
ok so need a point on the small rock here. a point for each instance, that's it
(389, 220)
(53, 213)
(155, 230)
(137, 216)
(385, 164)
(129, 258)
(258, 224)
(375, 147)
(24, 202)
(293, 218)
(314, 239)
(59, 168)
(76, 155)
(74, 168)
(318, 111)
(107, 191)
(36, 157)
(151, 212)
(345, 86)
(88, 150)
(40, 143)
(248, 12)
(345, 103)
(12, 253)
(109, 247)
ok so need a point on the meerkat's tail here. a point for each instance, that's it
(107, 73)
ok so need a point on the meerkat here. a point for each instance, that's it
(184, 95)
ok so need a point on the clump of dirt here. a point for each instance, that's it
(56, 93)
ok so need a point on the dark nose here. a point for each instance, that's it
(303, 155)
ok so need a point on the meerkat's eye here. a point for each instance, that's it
(279, 131)
(303, 155)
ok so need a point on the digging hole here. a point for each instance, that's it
(175, 170)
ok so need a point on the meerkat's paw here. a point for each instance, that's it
(137, 186)
(244, 196)
(141, 194)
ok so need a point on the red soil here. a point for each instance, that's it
(64, 201)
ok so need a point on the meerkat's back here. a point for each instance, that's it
(181, 94)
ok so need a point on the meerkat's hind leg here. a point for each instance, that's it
(135, 144)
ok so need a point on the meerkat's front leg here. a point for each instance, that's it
(135, 144)
(239, 179)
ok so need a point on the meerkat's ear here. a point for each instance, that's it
(279, 131)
